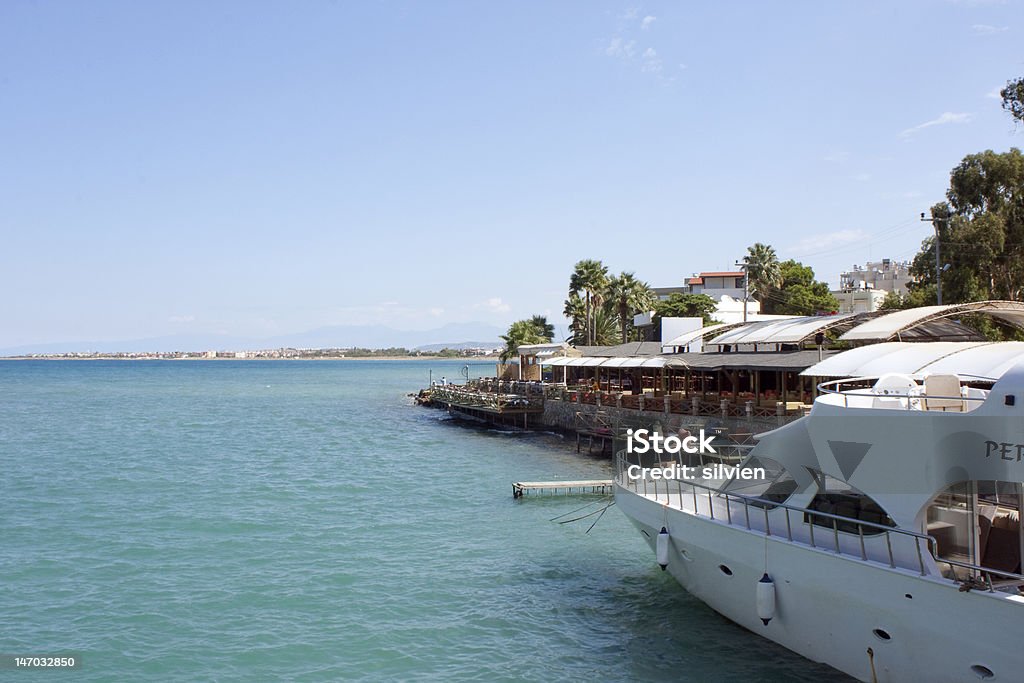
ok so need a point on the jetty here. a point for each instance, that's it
(583, 486)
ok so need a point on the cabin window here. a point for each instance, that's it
(836, 497)
(777, 486)
(978, 522)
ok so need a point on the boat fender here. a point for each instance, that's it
(766, 599)
(661, 548)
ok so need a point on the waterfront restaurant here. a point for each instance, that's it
(754, 368)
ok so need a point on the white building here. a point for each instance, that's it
(864, 288)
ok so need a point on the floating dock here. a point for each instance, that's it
(601, 486)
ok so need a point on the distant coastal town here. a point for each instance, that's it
(272, 354)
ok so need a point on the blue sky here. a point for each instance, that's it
(263, 168)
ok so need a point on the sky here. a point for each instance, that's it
(264, 168)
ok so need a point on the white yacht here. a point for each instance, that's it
(885, 540)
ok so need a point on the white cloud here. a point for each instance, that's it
(943, 119)
(621, 48)
(436, 311)
(494, 305)
(988, 30)
(994, 93)
(861, 177)
(182, 319)
(836, 157)
(651, 61)
(646, 22)
(631, 13)
(826, 240)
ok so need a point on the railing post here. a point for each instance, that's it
(695, 405)
(725, 408)
(749, 406)
(888, 543)
(640, 401)
(668, 404)
(789, 528)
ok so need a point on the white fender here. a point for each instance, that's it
(661, 548)
(766, 599)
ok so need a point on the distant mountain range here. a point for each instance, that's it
(452, 335)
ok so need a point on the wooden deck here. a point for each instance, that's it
(585, 486)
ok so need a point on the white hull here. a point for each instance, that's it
(834, 608)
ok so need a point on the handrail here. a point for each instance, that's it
(827, 388)
(930, 543)
(988, 571)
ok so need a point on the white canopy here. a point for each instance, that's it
(616, 362)
(888, 326)
(693, 335)
(967, 359)
(786, 331)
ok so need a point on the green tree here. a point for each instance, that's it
(589, 278)
(575, 311)
(685, 306)
(629, 296)
(798, 292)
(981, 232)
(545, 328)
(604, 325)
(524, 332)
(1013, 98)
(763, 269)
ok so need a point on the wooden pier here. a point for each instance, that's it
(565, 488)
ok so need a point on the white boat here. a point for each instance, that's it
(885, 539)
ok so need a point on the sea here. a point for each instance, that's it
(305, 520)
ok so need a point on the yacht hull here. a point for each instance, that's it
(866, 619)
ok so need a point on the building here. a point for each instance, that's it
(864, 288)
(725, 287)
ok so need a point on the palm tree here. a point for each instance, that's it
(589, 277)
(604, 325)
(763, 271)
(523, 332)
(575, 312)
(544, 328)
(629, 296)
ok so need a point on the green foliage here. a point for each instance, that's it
(605, 325)
(535, 330)
(589, 279)
(981, 232)
(798, 293)
(685, 306)
(1013, 98)
(764, 272)
(629, 296)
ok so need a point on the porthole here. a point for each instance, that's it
(725, 570)
(882, 635)
(908, 596)
(982, 672)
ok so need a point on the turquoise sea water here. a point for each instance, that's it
(248, 520)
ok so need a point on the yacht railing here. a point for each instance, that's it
(692, 491)
(856, 388)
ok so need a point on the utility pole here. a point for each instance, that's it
(746, 284)
(938, 268)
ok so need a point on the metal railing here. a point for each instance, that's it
(469, 398)
(865, 534)
(909, 400)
